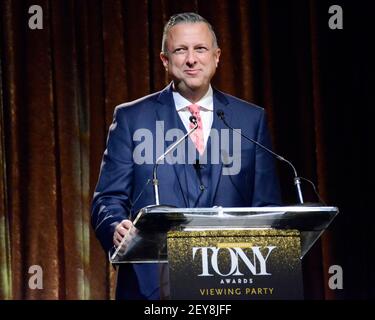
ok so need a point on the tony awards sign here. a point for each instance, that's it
(235, 264)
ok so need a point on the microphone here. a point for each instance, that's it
(155, 181)
(297, 179)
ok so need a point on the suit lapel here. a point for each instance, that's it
(220, 103)
(167, 113)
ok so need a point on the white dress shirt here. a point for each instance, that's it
(206, 111)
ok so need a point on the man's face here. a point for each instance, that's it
(192, 59)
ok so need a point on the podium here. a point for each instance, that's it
(228, 253)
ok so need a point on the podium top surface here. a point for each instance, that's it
(287, 217)
(241, 210)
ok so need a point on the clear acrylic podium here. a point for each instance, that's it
(149, 243)
(227, 253)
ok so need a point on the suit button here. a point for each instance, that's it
(202, 187)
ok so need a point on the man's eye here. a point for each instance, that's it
(201, 49)
(180, 50)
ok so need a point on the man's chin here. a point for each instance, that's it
(192, 85)
(195, 84)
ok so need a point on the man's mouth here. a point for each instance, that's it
(192, 72)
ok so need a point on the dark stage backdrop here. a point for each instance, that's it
(59, 87)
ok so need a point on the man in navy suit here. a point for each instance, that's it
(190, 54)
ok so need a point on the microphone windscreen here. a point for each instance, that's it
(193, 120)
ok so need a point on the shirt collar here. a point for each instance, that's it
(206, 102)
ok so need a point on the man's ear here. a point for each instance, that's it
(217, 56)
(164, 58)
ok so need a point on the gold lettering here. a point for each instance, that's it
(259, 291)
(203, 292)
(220, 291)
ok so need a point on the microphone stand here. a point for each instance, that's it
(297, 179)
(155, 180)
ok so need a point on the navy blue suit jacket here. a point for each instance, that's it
(121, 180)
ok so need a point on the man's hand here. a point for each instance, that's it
(121, 230)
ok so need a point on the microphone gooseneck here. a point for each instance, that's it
(297, 179)
(155, 181)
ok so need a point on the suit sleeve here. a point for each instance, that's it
(111, 201)
(266, 182)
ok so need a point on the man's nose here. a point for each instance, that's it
(191, 58)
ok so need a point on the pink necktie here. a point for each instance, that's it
(197, 135)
